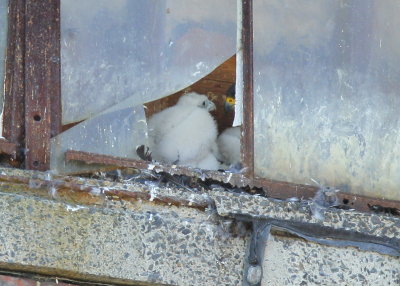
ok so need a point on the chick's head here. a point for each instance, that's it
(198, 100)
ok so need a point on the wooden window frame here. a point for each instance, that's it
(32, 110)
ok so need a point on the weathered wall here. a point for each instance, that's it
(292, 261)
(158, 245)
(170, 236)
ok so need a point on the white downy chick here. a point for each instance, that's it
(229, 146)
(186, 133)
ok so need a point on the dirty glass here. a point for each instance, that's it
(3, 46)
(114, 133)
(117, 55)
(327, 97)
(141, 50)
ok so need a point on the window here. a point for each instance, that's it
(320, 70)
(327, 94)
(122, 55)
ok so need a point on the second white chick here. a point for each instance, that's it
(186, 133)
(229, 146)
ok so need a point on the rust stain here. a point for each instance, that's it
(271, 188)
(63, 186)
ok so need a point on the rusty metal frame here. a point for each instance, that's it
(42, 81)
(14, 87)
(247, 138)
(271, 188)
(32, 103)
(69, 183)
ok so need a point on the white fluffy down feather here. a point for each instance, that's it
(229, 146)
(185, 134)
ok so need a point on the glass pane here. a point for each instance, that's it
(114, 133)
(3, 46)
(142, 49)
(327, 93)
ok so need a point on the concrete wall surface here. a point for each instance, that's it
(290, 261)
(168, 247)
(115, 233)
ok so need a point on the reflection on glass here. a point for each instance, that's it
(112, 50)
(3, 45)
(327, 93)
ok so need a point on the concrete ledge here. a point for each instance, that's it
(232, 204)
(144, 234)
(165, 246)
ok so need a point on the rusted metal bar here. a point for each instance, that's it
(363, 203)
(62, 183)
(14, 85)
(274, 189)
(90, 158)
(42, 81)
(285, 190)
(53, 77)
(8, 148)
(247, 139)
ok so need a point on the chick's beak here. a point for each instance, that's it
(210, 105)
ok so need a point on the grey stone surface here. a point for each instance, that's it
(166, 245)
(231, 204)
(143, 234)
(292, 261)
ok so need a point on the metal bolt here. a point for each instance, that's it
(254, 274)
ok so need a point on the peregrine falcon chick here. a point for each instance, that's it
(229, 146)
(186, 133)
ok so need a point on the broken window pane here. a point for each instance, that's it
(116, 133)
(118, 55)
(3, 46)
(144, 50)
(327, 93)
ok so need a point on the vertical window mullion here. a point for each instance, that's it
(42, 81)
(14, 86)
(247, 139)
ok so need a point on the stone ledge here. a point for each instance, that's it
(117, 246)
(143, 234)
(340, 224)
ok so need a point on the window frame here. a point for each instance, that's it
(32, 106)
(32, 103)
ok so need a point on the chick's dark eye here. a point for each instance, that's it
(204, 103)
